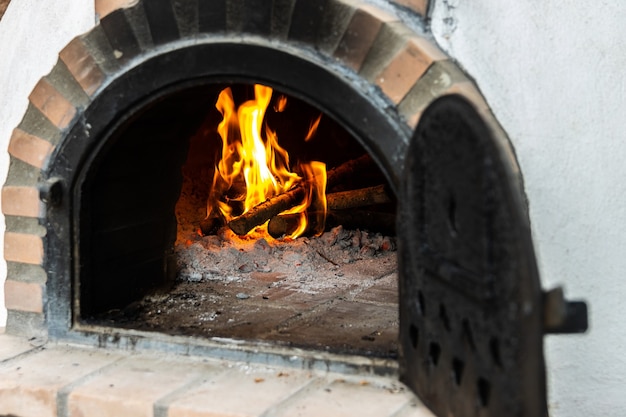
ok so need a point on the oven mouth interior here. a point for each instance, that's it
(148, 263)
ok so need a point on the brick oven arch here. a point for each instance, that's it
(361, 64)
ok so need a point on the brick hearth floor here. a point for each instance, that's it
(58, 380)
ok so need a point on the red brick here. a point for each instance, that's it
(222, 396)
(29, 385)
(363, 398)
(25, 248)
(21, 201)
(133, 385)
(407, 67)
(82, 66)
(52, 104)
(420, 6)
(97, 383)
(361, 34)
(23, 296)
(31, 149)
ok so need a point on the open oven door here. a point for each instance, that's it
(472, 312)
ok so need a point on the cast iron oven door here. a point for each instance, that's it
(472, 314)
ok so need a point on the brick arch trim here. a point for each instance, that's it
(400, 65)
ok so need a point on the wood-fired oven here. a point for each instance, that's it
(128, 115)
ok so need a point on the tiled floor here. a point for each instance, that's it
(68, 381)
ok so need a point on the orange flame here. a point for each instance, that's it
(281, 103)
(313, 129)
(254, 167)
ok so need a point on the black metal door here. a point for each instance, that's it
(472, 313)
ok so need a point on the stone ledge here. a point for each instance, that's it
(12, 346)
(68, 381)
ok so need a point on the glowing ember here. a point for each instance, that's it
(254, 167)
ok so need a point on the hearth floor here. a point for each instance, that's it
(360, 318)
(59, 380)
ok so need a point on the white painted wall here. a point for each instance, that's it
(553, 72)
(29, 46)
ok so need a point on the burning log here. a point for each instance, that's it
(266, 210)
(284, 225)
(338, 203)
(276, 205)
(373, 221)
(358, 198)
(211, 225)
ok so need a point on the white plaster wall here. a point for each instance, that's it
(553, 73)
(31, 37)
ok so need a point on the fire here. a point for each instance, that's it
(254, 167)
(313, 128)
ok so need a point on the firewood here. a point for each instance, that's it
(285, 225)
(358, 198)
(275, 205)
(373, 221)
(211, 225)
(261, 213)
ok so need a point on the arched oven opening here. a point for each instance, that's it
(121, 166)
(234, 210)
